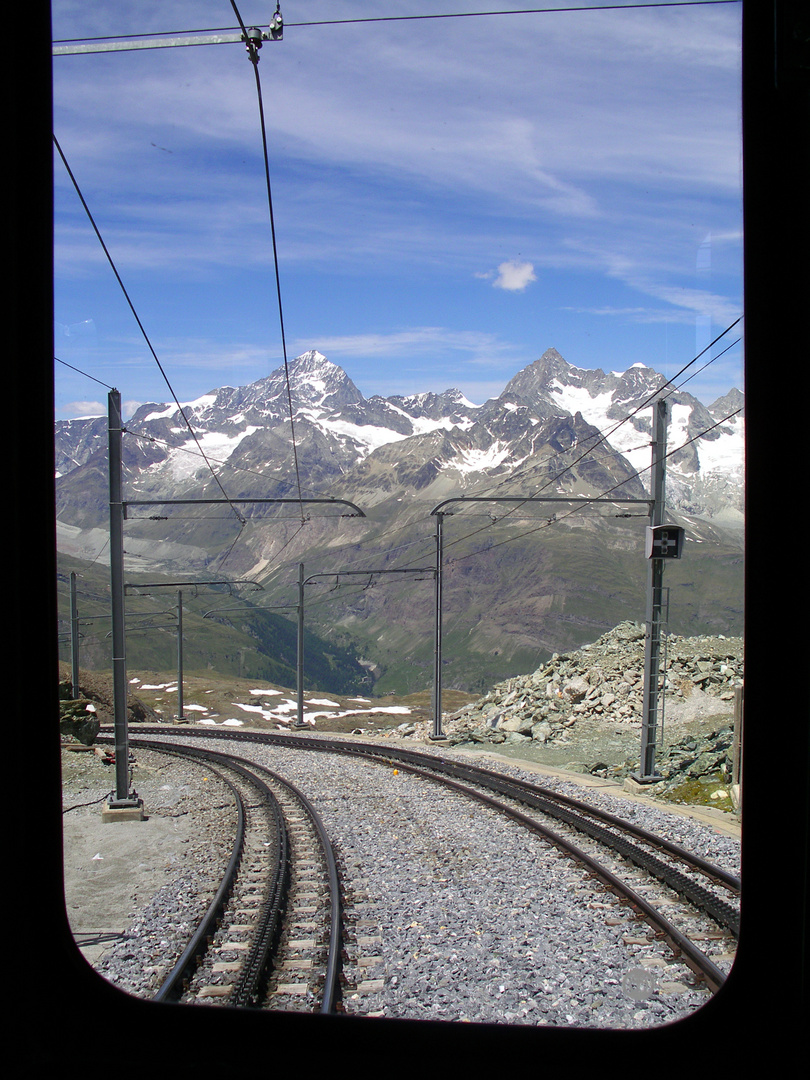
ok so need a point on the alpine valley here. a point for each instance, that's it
(358, 479)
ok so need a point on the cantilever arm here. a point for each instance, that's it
(356, 511)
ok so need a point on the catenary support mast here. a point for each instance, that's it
(123, 799)
(654, 607)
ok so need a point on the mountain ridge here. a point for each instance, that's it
(554, 429)
(351, 426)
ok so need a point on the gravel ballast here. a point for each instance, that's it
(455, 913)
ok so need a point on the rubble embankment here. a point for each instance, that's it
(603, 681)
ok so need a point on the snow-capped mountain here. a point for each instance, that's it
(555, 429)
(549, 408)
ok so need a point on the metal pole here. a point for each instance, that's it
(655, 577)
(114, 435)
(180, 715)
(437, 647)
(737, 749)
(299, 667)
(74, 636)
(439, 515)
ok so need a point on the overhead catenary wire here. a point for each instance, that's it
(140, 324)
(429, 540)
(276, 478)
(704, 366)
(585, 500)
(603, 437)
(447, 15)
(368, 19)
(253, 54)
(566, 9)
(86, 374)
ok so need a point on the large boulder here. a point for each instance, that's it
(79, 720)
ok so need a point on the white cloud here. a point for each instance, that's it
(603, 145)
(420, 340)
(82, 410)
(514, 276)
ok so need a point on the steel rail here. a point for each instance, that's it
(500, 782)
(722, 913)
(694, 957)
(484, 777)
(550, 803)
(172, 986)
(581, 816)
(247, 989)
(680, 943)
(331, 981)
(729, 880)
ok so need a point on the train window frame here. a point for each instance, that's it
(757, 997)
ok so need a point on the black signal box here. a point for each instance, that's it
(664, 541)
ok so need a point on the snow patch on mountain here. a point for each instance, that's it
(723, 455)
(185, 461)
(471, 461)
(204, 402)
(368, 437)
(548, 410)
(593, 407)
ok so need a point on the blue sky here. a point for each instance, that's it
(451, 196)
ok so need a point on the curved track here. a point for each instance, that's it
(251, 937)
(559, 820)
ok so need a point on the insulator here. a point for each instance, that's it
(253, 38)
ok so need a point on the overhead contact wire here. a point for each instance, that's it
(425, 18)
(586, 501)
(253, 55)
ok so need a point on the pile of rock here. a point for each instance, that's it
(78, 721)
(601, 681)
(80, 718)
(695, 769)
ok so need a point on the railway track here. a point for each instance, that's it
(690, 904)
(271, 936)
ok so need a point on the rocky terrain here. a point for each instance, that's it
(603, 680)
(520, 582)
(596, 689)
(603, 683)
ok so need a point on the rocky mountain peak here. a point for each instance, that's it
(556, 429)
(317, 382)
(727, 404)
(548, 410)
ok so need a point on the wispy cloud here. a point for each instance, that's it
(417, 359)
(413, 341)
(75, 410)
(599, 148)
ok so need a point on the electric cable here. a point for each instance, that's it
(275, 479)
(254, 59)
(64, 363)
(602, 437)
(704, 366)
(430, 539)
(253, 55)
(138, 321)
(568, 9)
(516, 11)
(584, 501)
